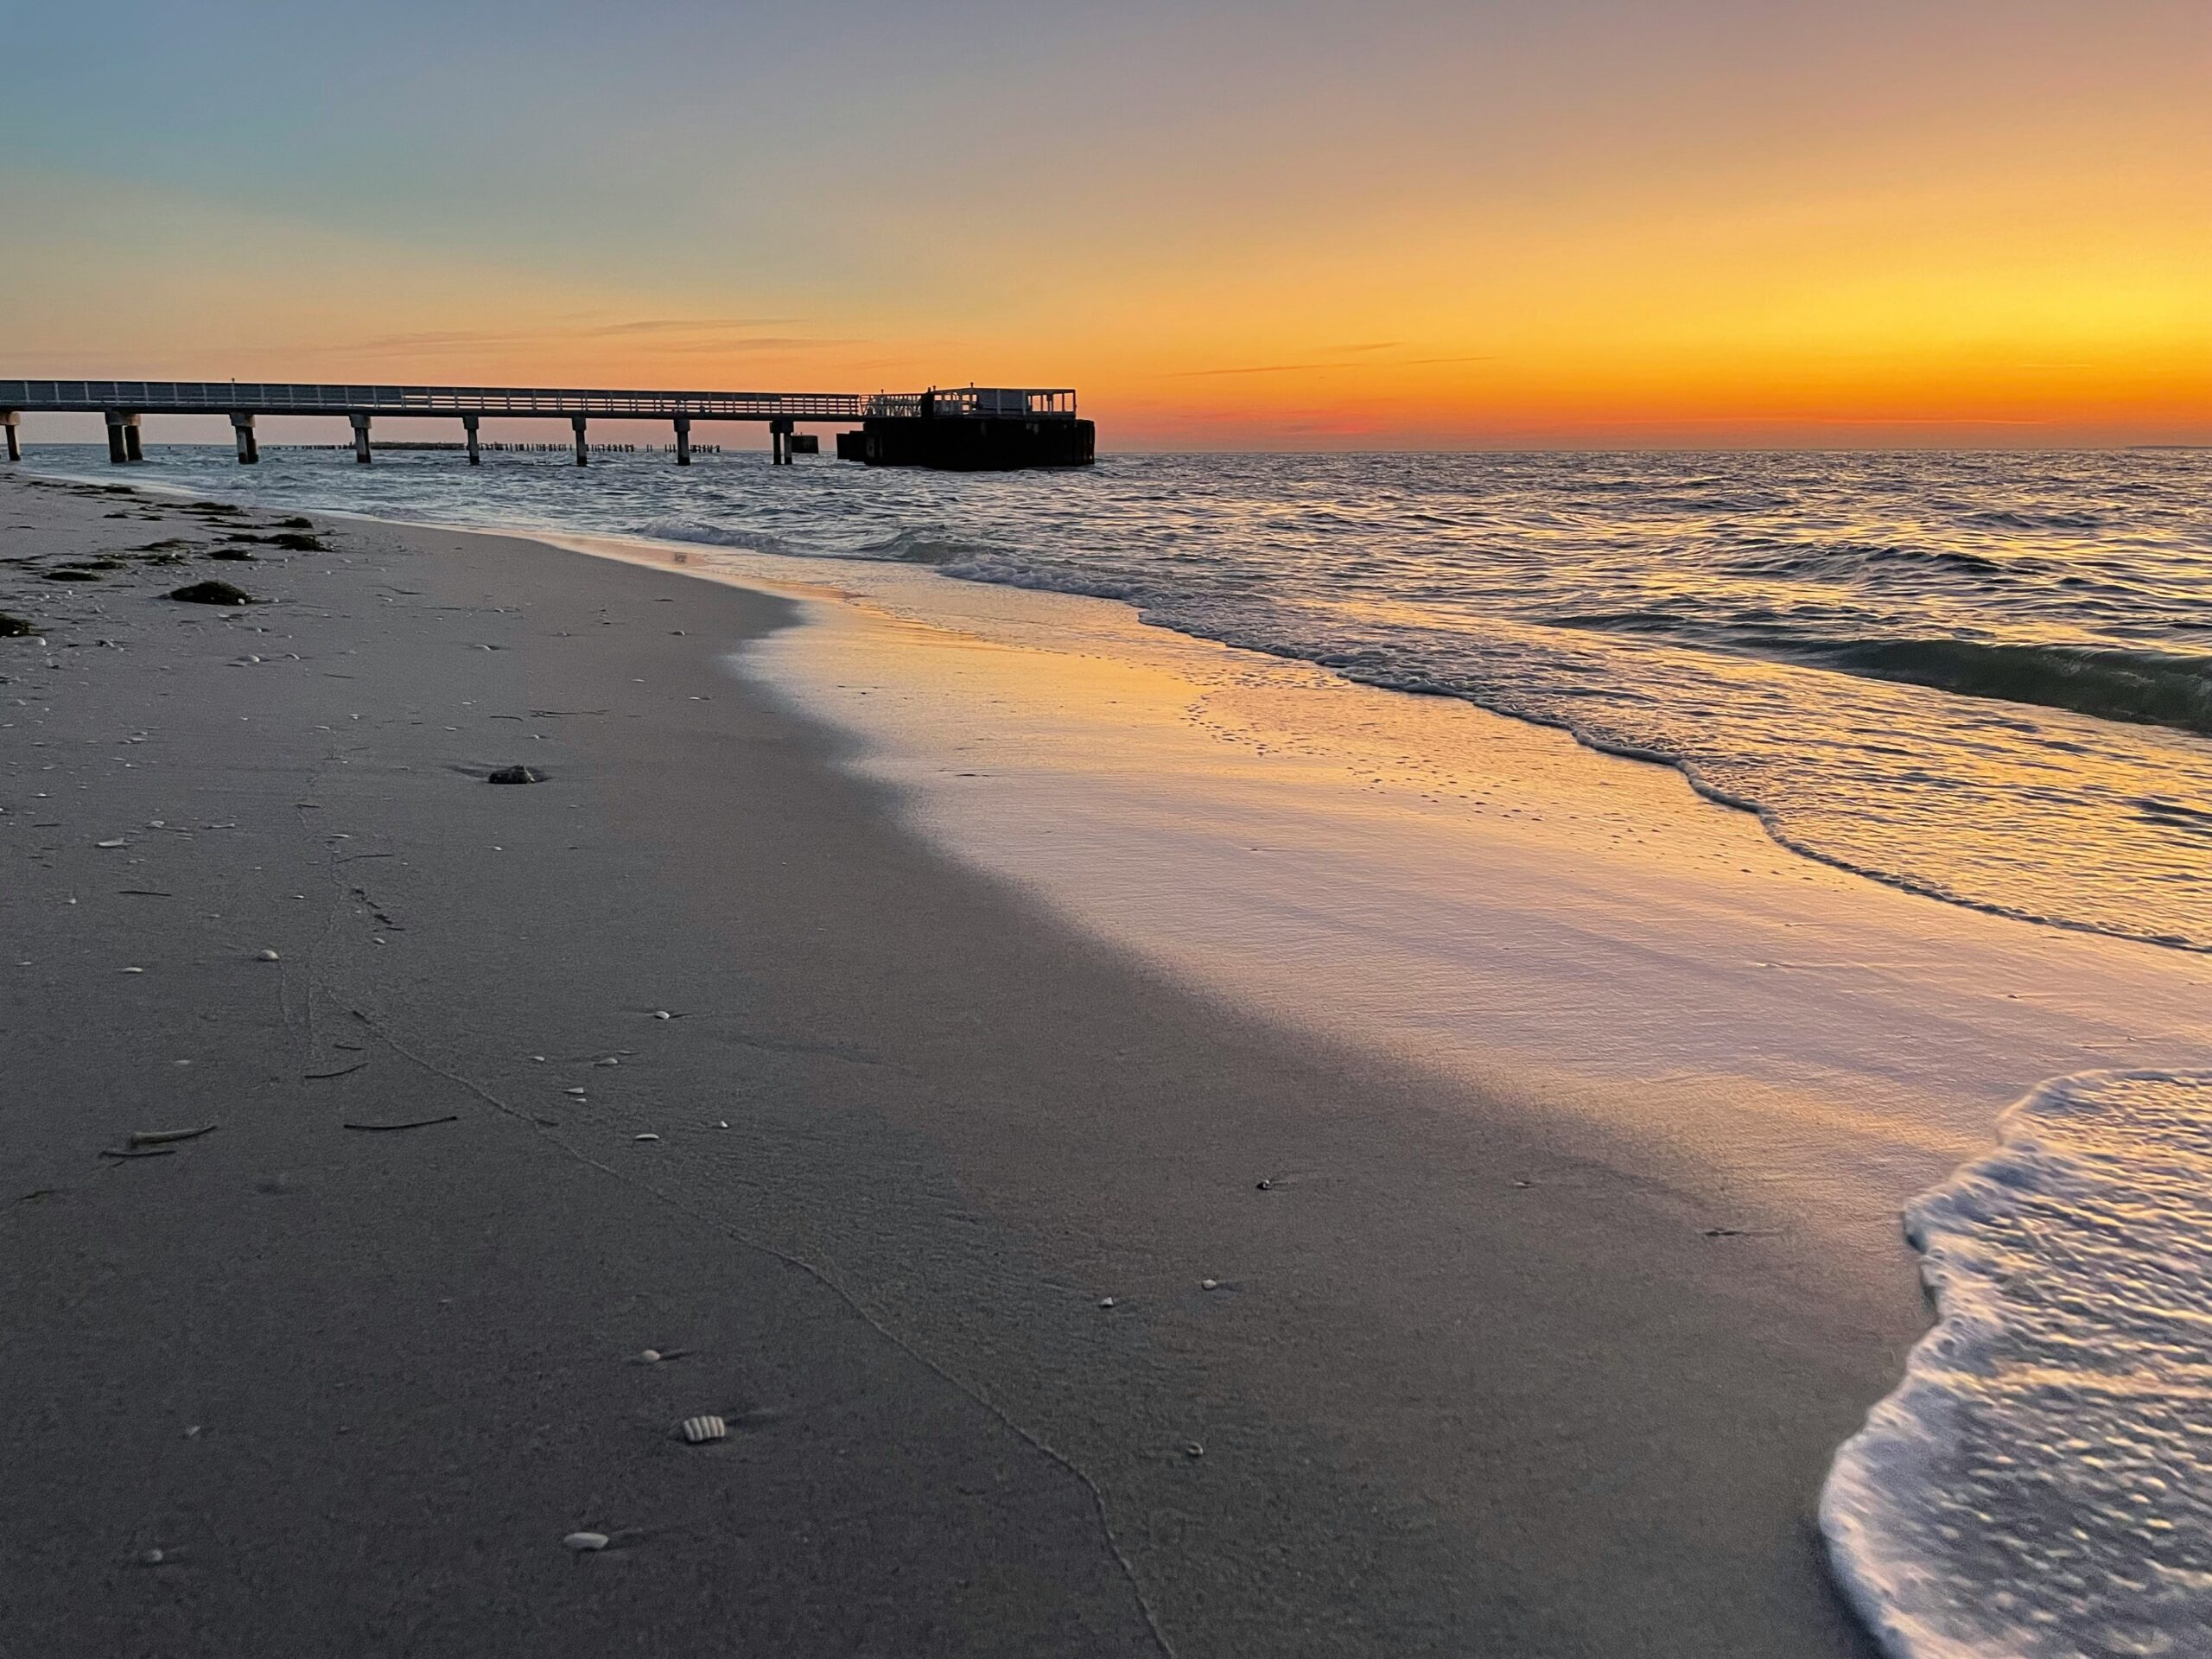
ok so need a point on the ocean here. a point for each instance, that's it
(1985, 678)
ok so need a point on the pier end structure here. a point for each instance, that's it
(9, 424)
(964, 429)
(972, 430)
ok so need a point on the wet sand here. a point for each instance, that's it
(1473, 1378)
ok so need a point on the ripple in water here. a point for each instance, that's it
(2040, 1486)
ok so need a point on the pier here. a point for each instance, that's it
(968, 428)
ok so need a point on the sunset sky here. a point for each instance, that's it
(1232, 225)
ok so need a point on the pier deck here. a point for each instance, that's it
(1004, 426)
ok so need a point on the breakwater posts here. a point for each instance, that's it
(963, 428)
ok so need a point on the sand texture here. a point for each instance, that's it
(1469, 1380)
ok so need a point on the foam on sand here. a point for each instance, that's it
(2041, 1484)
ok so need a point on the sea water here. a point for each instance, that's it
(1983, 678)
(1986, 677)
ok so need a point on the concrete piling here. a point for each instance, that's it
(360, 438)
(468, 425)
(577, 421)
(123, 444)
(779, 444)
(242, 428)
(7, 424)
(683, 439)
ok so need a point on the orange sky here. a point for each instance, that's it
(1591, 223)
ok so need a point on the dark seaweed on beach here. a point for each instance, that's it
(295, 523)
(211, 593)
(16, 627)
(70, 574)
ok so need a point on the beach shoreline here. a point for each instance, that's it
(1474, 1373)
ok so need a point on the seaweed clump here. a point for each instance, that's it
(211, 593)
(16, 627)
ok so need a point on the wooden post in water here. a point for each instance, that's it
(360, 438)
(8, 420)
(683, 439)
(242, 428)
(577, 421)
(468, 426)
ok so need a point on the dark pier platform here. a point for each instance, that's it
(969, 428)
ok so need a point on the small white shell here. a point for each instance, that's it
(649, 1356)
(577, 1092)
(580, 1541)
(1209, 1284)
(609, 1060)
(133, 970)
(697, 1431)
(111, 843)
(1194, 1450)
(662, 1013)
(264, 956)
(1105, 1301)
(644, 1137)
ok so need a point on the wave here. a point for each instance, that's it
(2017, 518)
(2040, 1484)
(2142, 687)
(912, 546)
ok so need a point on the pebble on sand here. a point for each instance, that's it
(582, 1541)
(516, 775)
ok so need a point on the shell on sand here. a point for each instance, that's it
(580, 1541)
(697, 1431)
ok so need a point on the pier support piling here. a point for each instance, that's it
(7, 424)
(683, 439)
(780, 446)
(360, 438)
(123, 437)
(468, 425)
(242, 428)
(582, 455)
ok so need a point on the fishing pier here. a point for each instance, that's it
(967, 429)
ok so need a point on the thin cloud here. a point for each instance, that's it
(1294, 368)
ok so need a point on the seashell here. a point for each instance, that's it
(609, 1060)
(649, 1356)
(697, 1431)
(133, 970)
(580, 1541)
(662, 1013)
(577, 1092)
(1266, 1187)
(264, 956)
(152, 1557)
(539, 1059)
(117, 842)
(1194, 1450)
(1209, 1284)
(644, 1137)
(1105, 1301)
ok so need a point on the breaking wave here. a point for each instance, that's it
(2040, 1484)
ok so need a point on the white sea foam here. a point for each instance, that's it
(2040, 1486)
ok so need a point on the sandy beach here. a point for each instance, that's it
(1054, 1303)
